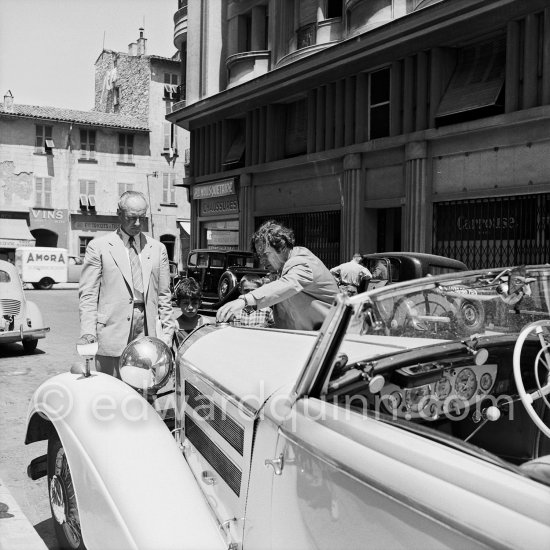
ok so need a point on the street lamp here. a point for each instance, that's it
(155, 175)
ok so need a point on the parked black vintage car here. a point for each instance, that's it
(219, 272)
(394, 267)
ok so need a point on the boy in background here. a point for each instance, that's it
(249, 316)
(189, 299)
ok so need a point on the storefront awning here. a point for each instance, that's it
(14, 233)
(186, 226)
(477, 80)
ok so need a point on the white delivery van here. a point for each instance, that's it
(42, 266)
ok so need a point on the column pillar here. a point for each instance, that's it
(351, 214)
(246, 211)
(418, 206)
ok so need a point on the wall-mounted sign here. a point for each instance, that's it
(83, 222)
(223, 205)
(41, 217)
(216, 189)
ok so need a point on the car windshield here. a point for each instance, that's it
(455, 308)
(447, 357)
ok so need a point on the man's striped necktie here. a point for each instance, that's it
(135, 264)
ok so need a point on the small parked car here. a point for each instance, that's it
(393, 426)
(219, 272)
(20, 319)
(393, 267)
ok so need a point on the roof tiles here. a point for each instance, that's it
(92, 118)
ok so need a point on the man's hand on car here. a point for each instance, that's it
(86, 339)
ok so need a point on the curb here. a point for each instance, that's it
(16, 531)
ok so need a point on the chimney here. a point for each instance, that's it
(141, 43)
(8, 102)
(132, 49)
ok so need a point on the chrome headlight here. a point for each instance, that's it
(146, 364)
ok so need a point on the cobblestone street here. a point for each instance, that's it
(20, 375)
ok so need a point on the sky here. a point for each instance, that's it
(48, 47)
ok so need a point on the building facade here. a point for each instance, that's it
(415, 125)
(62, 170)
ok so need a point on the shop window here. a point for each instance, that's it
(126, 148)
(43, 192)
(379, 103)
(43, 142)
(82, 244)
(87, 144)
(169, 188)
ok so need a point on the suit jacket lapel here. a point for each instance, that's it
(120, 256)
(146, 261)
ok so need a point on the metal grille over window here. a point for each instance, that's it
(494, 231)
(318, 231)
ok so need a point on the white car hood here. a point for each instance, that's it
(250, 365)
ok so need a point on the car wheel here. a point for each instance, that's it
(471, 316)
(45, 284)
(62, 498)
(227, 284)
(29, 345)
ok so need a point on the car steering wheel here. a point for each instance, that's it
(543, 358)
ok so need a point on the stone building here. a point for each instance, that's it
(62, 170)
(390, 125)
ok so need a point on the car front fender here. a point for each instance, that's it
(33, 313)
(133, 486)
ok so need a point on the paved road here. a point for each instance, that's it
(20, 375)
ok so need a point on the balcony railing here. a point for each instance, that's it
(180, 26)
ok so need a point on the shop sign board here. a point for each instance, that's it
(40, 217)
(216, 206)
(219, 188)
(14, 243)
(100, 223)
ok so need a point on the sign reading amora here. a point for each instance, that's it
(53, 257)
(216, 189)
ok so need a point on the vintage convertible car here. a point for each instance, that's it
(20, 319)
(393, 426)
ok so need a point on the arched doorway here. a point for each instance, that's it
(45, 237)
(169, 241)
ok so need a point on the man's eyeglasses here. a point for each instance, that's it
(134, 219)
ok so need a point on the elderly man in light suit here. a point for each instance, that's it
(124, 287)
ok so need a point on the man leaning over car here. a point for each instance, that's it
(304, 290)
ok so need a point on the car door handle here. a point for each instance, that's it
(208, 477)
(276, 463)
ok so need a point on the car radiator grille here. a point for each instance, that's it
(214, 455)
(232, 432)
(10, 307)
